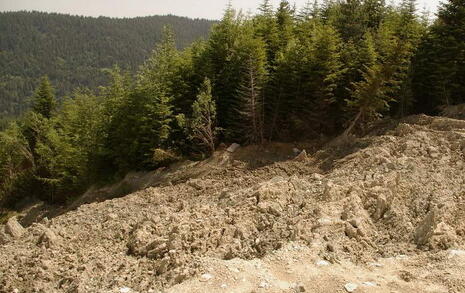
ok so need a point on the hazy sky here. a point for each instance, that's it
(212, 9)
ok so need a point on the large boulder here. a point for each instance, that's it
(233, 147)
(435, 233)
(14, 228)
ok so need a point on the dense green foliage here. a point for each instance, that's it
(282, 74)
(439, 78)
(72, 50)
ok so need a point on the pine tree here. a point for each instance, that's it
(374, 94)
(307, 75)
(440, 66)
(311, 10)
(409, 31)
(252, 108)
(250, 99)
(224, 65)
(266, 27)
(43, 101)
(266, 8)
(36, 124)
(349, 18)
(144, 118)
(15, 160)
(285, 22)
(323, 72)
(375, 11)
(203, 122)
(369, 96)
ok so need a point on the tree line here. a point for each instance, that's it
(284, 74)
(72, 50)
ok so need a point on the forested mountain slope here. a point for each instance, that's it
(72, 50)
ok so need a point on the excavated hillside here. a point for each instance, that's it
(384, 213)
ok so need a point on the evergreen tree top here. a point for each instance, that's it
(43, 101)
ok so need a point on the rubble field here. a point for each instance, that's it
(383, 213)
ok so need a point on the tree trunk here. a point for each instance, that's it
(352, 124)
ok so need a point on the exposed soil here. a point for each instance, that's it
(385, 213)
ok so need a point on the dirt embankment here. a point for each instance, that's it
(383, 214)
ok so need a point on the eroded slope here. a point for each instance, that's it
(398, 194)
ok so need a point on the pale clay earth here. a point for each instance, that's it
(383, 214)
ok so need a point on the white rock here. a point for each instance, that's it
(455, 252)
(234, 270)
(370, 284)
(317, 176)
(324, 222)
(350, 287)
(322, 263)
(206, 277)
(224, 286)
(232, 148)
(298, 287)
(124, 290)
(112, 216)
(14, 228)
(263, 285)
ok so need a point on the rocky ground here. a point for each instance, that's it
(384, 213)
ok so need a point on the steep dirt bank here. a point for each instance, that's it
(384, 214)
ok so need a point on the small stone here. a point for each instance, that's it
(206, 277)
(350, 231)
(124, 290)
(455, 252)
(317, 176)
(301, 157)
(234, 270)
(381, 207)
(45, 264)
(350, 287)
(112, 216)
(406, 276)
(370, 284)
(263, 285)
(224, 286)
(324, 222)
(296, 151)
(330, 247)
(323, 263)
(14, 228)
(48, 238)
(299, 288)
(355, 222)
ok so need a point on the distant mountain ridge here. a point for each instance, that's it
(72, 50)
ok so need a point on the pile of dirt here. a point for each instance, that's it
(455, 111)
(346, 205)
